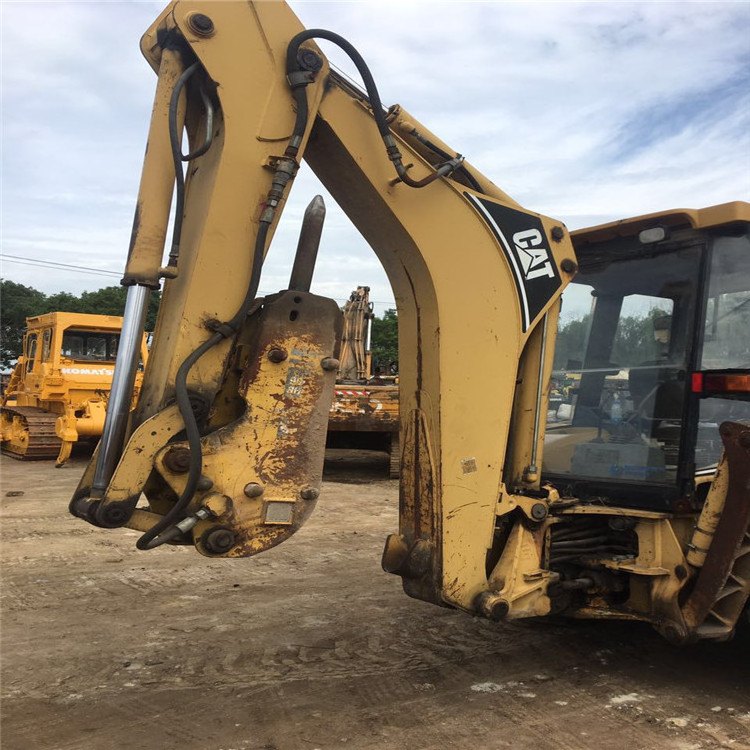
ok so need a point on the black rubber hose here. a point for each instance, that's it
(300, 98)
(372, 92)
(174, 139)
(293, 66)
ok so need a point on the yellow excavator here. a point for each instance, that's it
(57, 393)
(633, 504)
(364, 412)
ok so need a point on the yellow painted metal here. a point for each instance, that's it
(684, 218)
(157, 182)
(518, 581)
(226, 188)
(710, 516)
(419, 236)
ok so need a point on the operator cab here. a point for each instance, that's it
(652, 355)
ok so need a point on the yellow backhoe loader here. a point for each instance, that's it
(364, 412)
(58, 391)
(634, 506)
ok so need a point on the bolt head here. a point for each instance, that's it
(219, 541)
(499, 611)
(309, 493)
(177, 459)
(558, 233)
(200, 24)
(204, 483)
(309, 59)
(568, 265)
(492, 606)
(115, 515)
(253, 489)
(277, 355)
(329, 364)
(538, 511)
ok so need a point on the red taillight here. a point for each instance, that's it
(707, 382)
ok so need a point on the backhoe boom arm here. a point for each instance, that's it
(228, 462)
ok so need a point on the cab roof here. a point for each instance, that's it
(736, 212)
(109, 323)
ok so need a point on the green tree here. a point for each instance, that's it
(384, 342)
(62, 302)
(17, 302)
(634, 340)
(111, 301)
(571, 339)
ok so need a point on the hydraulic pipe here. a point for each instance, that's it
(121, 395)
(532, 473)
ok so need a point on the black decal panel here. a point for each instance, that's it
(527, 249)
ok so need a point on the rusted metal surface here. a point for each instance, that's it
(33, 435)
(731, 529)
(265, 464)
(415, 554)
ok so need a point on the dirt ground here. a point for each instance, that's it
(311, 645)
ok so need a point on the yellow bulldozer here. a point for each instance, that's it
(58, 391)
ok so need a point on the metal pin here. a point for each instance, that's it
(307, 247)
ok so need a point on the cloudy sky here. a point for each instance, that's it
(587, 112)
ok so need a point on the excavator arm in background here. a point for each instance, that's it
(355, 363)
(226, 441)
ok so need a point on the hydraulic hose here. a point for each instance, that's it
(298, 80)
(178, 157)
(174, 138)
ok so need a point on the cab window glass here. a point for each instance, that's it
(46, 344)
(31, 352)
(618, 384)
(713, 411)
(726, 344)
(72, 346)
(90, 345)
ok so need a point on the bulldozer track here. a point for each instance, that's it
(37, 439)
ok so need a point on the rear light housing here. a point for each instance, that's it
(720, 382)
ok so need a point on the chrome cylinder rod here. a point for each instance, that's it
(121, 395)
(533, 469)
